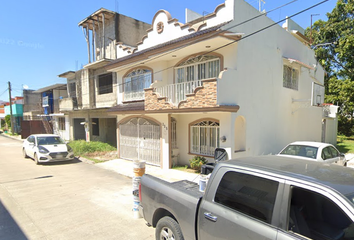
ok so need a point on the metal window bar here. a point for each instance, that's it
(204, 139)
(134, 86)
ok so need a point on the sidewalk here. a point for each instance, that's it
(125, 167)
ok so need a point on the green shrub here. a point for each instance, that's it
(197, 161)
(81, 147)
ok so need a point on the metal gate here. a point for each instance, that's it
(139, 138)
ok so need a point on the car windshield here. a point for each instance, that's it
(301, 150)
(49, 140)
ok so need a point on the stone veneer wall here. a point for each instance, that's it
(204, 96)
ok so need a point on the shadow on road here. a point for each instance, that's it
(8, 226)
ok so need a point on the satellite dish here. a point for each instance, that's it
(24, 86)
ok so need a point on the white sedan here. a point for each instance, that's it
(316, 151)
(46, 148)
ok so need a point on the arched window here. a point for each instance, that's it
(204, 137)
(135, 82)
(198, 68)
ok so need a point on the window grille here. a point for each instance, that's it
(61, 123)
(198, 68)
(204, 138)
(174, 133)
(290, 78)
(135, 83)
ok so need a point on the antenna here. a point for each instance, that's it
(117, 6)
(260, 5)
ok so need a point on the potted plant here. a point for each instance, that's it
(197, 161)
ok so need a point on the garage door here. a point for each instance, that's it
(139, 138)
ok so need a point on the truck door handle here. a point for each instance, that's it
(210, 217)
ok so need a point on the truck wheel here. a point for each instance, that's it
(168, 229)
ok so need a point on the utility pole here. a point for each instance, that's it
(11, 117)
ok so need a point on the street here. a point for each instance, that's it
(73, 200)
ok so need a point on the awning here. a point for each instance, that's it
(59, 86)
(291, 60)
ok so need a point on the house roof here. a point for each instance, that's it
(143, 54)
(59, 86)
(97, 17)
(67, 74)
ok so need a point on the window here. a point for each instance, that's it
(105, 83)
(317, 217)
(290, 78)
(95, 126)
(174, 133)
(61, 123)
(204, 137)
(326, 153)
(334, 152)
(251, 195)
(72, 89)
(198, 68)
(135, 82)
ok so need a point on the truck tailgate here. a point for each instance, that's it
(180, 199)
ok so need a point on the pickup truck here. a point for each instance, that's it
(266, 197)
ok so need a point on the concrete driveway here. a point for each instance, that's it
(64, 200)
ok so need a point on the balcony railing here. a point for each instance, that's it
(68, 104)
(177, 92)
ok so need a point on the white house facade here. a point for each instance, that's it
(187, 89)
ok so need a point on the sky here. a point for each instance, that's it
(40, 39)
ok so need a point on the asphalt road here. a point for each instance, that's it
(64, 200)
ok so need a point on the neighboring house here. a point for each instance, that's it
(92, 90)
(2, 113)
(53, 120)
(187, 89)
(17, 113)
(41, 111)
(31, 105)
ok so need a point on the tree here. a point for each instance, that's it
(333, 43)
(8, 120)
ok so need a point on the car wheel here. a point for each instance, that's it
(36, 159)
(168, 229)
(345, 164)
(24, 153)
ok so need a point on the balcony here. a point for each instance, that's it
(68, 104)
(193, 94)
(175, 93)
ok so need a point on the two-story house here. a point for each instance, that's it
(93, 90)
(220, 80)
(41, 111)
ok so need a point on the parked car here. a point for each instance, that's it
(46, 148)
(265, 197)
(316, 151)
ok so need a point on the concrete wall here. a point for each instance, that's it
(129, 30)
(107, 99)
(31, 101)
(255, 70)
